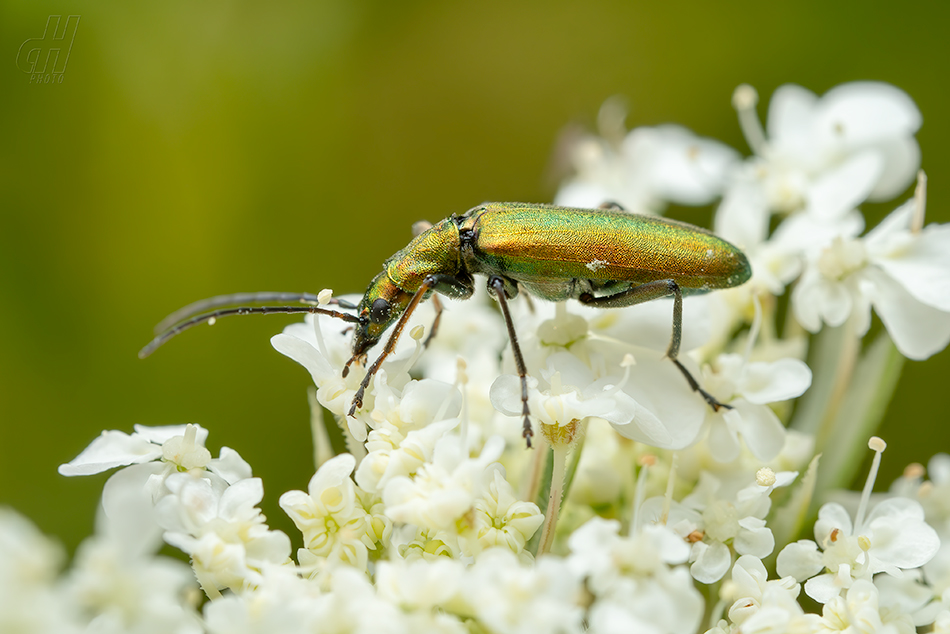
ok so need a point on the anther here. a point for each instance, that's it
(765, 477)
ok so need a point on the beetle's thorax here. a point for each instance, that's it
(436, 251)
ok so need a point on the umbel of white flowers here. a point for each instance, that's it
(645, 511)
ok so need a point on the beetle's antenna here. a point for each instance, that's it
(243, 310)
(234, 299)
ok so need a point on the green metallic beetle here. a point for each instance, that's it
(600, 257)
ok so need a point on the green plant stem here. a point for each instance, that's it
(554, 497)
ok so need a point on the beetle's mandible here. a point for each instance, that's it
(601, 257)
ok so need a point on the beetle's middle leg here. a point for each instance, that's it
(644, 293)
(497, 284)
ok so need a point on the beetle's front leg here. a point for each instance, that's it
(426, 286)
(499, 285)
(454, 286)
(644, 293)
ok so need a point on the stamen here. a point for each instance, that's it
(646, 461)
(627, 361)
(668, 496)
(191, 435)
(417, 334)
(920, 203)
(323, 298)
(459, 377)
(461, 380)
(755, 327)
(914, 471)
(610, 120)
(744, 100)
(878, 446)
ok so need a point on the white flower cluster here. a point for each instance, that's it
(643, 509)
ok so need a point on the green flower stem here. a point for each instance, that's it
(559, 455)
(322, 449)
(835, 352)
(532, 483)
(862, 409)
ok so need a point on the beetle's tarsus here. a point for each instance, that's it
(357, 402)
(694, 385)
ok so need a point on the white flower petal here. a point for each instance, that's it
(582, 195)
(755, 539)
(712, 560)
(658, 387)
(505, 395)
(761, 429)
(743, 216)
(160, 435)
(791, 110)
(688, 169)
(858, 114)
(919, 331)
(750, 576)
(832, 516)
(899, 535)
(331, 473)
(304, 354)
(780, 380)
(800, 559)
(922, 265)
(901, 162)
(723, 442)
(422, 400)
(238, 501)
(840, 190)
(823, 588)
(230, 466)
(111, 449)
(939, 468)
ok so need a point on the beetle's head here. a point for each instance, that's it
(382, 304)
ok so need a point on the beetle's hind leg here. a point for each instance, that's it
(497, 284)
(644, 293)
(437, 305)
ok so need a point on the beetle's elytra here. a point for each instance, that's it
(601, 257)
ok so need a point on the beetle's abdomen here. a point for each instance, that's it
(543, 244)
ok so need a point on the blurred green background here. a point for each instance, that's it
(201, 148)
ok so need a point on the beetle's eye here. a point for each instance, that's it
(379, 313)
